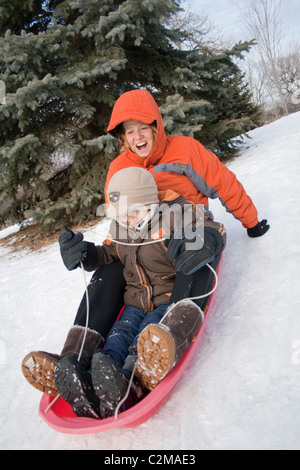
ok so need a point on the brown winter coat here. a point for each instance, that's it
(148, 273)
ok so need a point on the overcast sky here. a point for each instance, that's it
(225, 15)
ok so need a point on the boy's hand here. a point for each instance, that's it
(74, 249)
(189, 254)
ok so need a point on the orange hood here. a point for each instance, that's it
(139, 105)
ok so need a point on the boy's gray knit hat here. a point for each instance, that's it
(130, 189)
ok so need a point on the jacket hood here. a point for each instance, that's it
(139, 105)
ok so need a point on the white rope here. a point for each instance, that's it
(118, 242)
(168, 311)
(85, 331)
(88, 313)
(186, 299)
(52, 403)
(214, 288)
(127, 392)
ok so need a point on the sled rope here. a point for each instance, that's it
(159, 241)
(88, 313)
(169, 310)
(117, 410)
(85, 330)
(118, 242)
(127, 392)
(189, 298)
(213, 289)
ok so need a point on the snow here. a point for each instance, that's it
(242, 388)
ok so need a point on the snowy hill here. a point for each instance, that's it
(242, 388)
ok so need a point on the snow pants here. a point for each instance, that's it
(106, 294)
(125, 332)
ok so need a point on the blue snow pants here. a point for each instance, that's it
(125, 332)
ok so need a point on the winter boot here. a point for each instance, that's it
(74, 384)
(161, 346)
(38, 367)
(111, 385)
(73, 344)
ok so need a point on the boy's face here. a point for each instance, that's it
(139, 137)
(134, 218)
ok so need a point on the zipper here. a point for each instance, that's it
(144, 283)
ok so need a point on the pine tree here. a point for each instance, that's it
(64, 63)
(232, 112)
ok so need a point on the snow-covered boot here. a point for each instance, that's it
(161, 346)
(76, 336)
(111, 385)
(74, 384)
(38, 366)
(38, 369)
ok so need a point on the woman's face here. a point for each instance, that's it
(139, 137)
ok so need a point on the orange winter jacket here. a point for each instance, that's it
(179, 163)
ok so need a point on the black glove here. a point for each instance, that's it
(74, 249)
(194, 252)
(260, 229)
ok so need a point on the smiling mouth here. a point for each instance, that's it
(141, 146)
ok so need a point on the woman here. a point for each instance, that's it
(176, 162)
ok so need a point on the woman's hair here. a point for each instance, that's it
(122, 137)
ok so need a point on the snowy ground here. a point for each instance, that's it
(242, 388)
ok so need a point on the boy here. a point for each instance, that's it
(143, 222)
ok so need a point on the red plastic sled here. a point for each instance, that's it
(61, 417)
